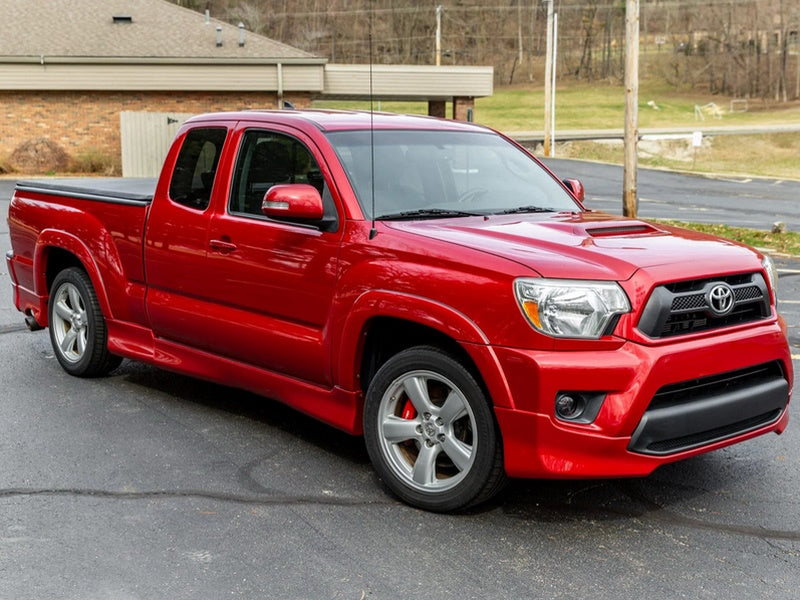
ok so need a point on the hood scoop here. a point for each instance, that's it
(621, 230)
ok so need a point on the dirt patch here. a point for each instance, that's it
(668, 147)
(40, 155)
(678, 148)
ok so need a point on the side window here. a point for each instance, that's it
(193, 177)
(267, 158)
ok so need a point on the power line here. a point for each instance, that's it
(564, 6)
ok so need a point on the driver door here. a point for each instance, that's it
(272, 282)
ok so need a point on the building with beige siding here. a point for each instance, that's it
(68, 70)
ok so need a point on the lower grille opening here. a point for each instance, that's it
(703, 411)
(687, 391)
(707, 437)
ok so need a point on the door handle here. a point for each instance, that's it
(222, 246)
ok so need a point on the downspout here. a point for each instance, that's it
(280, 86)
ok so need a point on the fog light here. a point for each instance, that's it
(569, 406)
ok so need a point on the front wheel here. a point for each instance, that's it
(431, 433)
(77, 327)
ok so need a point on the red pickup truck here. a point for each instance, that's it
(425, 283)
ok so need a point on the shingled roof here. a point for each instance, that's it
(145, 29)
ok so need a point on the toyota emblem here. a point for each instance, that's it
(720, 299)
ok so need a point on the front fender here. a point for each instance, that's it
(423, 311)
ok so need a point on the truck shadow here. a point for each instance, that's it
(678, 494)
(233, 402)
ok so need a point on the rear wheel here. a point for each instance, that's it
(431, 433)
(77, 327)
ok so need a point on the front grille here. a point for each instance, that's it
(683, 307)
(698, 412)
(693, 302)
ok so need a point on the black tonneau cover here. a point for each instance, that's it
(122, 190)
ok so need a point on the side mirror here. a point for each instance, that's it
(576, 187)
(293, 201)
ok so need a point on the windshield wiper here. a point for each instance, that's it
(526, 209)
(427, 213)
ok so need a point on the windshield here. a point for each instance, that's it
(429, 174)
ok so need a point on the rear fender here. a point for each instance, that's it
(50, 239)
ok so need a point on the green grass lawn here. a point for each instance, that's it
(594, 106)
(772, 155)
(787, 243)
(584, 106)
(602, 106)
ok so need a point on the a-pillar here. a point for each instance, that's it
(437, 108)
(463, 108)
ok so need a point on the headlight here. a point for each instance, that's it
(772, 275)
(570, 308)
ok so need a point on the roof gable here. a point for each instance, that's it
(157, 29)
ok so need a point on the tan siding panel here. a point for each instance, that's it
(395, 81)
(411, 81)
(303, 78)
(159, 77)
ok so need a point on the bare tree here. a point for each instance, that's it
(739, 48)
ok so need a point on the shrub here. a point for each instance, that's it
(39, 155)
(94, 160)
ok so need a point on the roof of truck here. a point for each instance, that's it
(340, 120)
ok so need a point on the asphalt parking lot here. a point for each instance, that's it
(145, 484)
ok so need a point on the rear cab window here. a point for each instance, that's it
(196, 167)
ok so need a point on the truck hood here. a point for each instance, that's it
(589, 245)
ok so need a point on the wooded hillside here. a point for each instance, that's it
(739, 48)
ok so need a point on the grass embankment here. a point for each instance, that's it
(596, 106)
(601, 106)
(787, 243)
(770, 155)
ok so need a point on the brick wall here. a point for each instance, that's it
(89, 121)
(462, 107)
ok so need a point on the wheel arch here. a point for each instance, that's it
(386, 336)
(56, 251)
(383, 323)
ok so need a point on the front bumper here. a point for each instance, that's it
(625, 439)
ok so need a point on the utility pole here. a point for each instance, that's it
(548, 81)
(553, 87)
(630, 199)
(519, 33)
(438, 35)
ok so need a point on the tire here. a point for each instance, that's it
(77, 327)
(430, 432)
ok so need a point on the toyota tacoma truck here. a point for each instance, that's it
(427, 284)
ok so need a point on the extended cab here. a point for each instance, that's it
(425, 283)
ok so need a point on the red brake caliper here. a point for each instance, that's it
(409, 412)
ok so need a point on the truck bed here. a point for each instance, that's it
(123, 190)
